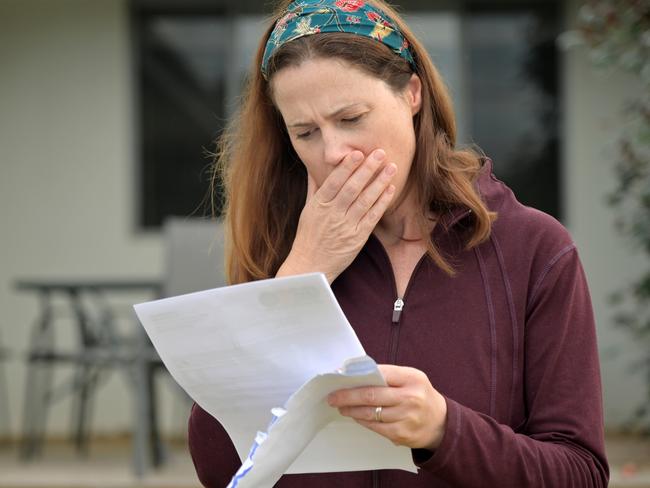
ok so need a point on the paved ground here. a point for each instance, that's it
(108, 466)
(629, 459)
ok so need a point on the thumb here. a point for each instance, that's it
(396, 375)
(311, 187)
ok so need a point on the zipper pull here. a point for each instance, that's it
(397, 310)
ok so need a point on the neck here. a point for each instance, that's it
(400, 226)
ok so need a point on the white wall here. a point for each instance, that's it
(593, 104)
(67, 168)
(67, 175)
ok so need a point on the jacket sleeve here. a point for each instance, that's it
(561, 442)
(214, 456)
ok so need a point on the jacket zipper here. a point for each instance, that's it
(375, 479)
(398, 306)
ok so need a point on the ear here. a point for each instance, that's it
(414, 93)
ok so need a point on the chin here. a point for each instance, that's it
(392, 207)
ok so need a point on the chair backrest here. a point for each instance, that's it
(194, 255)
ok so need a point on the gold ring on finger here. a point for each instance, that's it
(378, 414)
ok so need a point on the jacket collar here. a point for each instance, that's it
(493, 192)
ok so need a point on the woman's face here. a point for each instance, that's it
(331, 108)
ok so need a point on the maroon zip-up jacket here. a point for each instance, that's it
(509, 341)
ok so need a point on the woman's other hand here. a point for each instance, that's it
(339, 216)
(413, 413)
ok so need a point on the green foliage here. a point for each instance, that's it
(617, 33)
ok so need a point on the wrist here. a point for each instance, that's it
(441, 427)
(295, 264)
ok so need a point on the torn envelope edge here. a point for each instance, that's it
(247, 465)
(288, 435)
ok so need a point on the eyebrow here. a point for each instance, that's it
(333, 115)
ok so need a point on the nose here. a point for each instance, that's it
(335, 147)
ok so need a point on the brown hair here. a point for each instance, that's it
(265, 182)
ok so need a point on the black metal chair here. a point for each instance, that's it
(99, 351)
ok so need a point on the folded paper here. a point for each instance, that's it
(277, 345)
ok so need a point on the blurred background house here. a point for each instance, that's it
(109, 109)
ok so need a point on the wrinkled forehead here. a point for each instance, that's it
(334, 69)
(321, 84)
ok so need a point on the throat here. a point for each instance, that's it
(405, 243)
(396, 236)
(403, 227)
(404, 258)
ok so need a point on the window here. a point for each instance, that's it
(513, 97)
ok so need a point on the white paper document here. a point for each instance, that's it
(277, 345)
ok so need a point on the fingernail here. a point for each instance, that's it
(391, 169)
(379, 155)
(357, 156)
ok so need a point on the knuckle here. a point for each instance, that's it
(349, 191)
(416, 377)
(416, 397)
(329, 187)
(371, 414)
(412, 419)
(363, 203)
(419, 374)
(368, 395)
(322, 203)
(412, 373)
(401, 437)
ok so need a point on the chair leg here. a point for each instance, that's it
(142, 419)
(37, 399)
(47, 377)
(75, 411)
(27, 442)
(158, 453)
(86, 378)
(38, 385)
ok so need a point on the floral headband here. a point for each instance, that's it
(305, 17)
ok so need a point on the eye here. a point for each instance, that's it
(306, 134)
(352, 120)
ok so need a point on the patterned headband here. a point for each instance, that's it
(305, 17)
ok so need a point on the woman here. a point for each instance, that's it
(343, 161)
